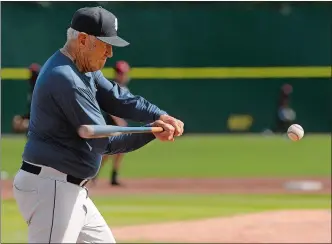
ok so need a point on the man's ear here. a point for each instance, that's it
(82, 38)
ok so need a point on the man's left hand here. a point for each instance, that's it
(177, 124)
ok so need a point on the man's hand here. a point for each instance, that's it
(167, 134)
(177, 124)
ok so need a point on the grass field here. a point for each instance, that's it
(194, 156)
(129, 210)
(211, 156)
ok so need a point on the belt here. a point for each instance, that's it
(33, 169)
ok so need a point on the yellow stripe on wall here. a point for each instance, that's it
(201, 73)
(14, 74)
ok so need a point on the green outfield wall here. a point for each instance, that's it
(218, 66)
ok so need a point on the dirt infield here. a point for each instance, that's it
(278, 227)
(199, 186)
(313, 226)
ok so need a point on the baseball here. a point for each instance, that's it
(295, 132)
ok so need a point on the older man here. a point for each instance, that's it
(71, 91)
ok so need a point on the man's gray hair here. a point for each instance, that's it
(72, 34)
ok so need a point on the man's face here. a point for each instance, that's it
(93, 53)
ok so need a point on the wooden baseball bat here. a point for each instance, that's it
(100, 131)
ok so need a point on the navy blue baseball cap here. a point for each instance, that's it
(98, 22)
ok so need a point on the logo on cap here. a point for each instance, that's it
(116, 24)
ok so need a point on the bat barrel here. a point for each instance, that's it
(100, 131)
(85, 131)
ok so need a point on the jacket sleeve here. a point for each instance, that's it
(127, 143)
(78, 108)
(120, 102)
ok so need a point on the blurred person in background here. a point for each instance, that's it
(21, 122)
(285, 114)
(121, 70)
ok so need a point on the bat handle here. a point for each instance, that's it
(157, 129)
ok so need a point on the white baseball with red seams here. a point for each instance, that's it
(295, 132)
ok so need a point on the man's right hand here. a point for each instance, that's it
(177, 124)
(167, 134)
